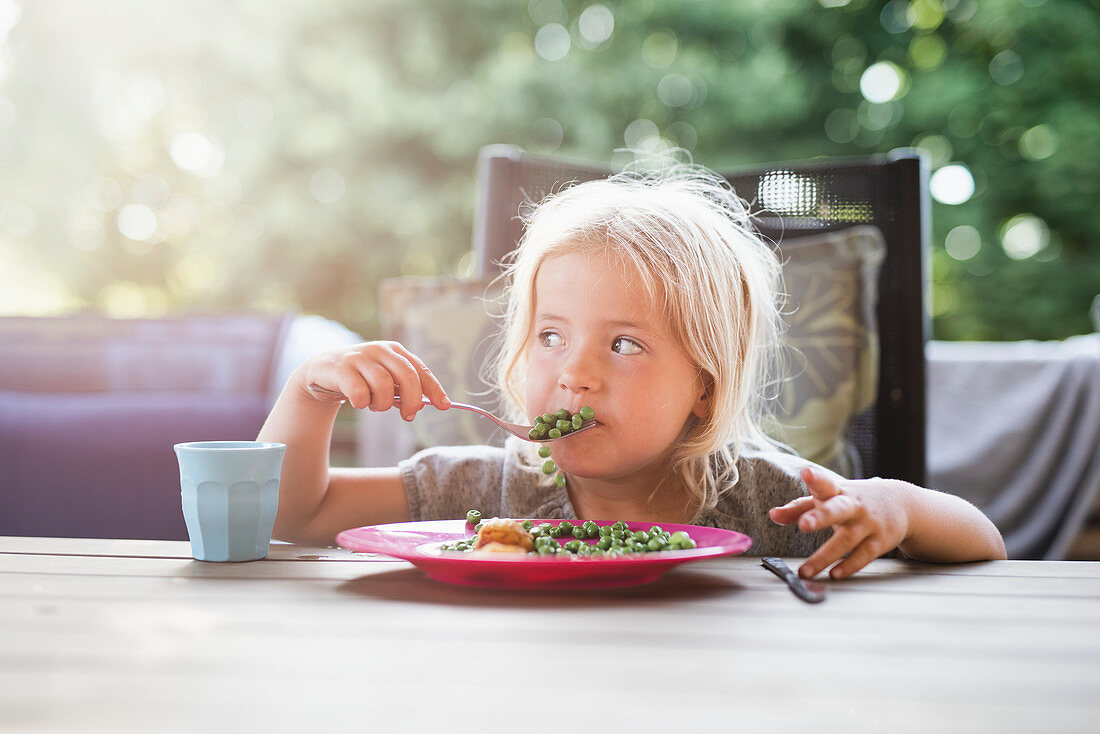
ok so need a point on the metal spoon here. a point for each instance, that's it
(515, 429)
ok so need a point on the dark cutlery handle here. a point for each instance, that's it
(783, 571)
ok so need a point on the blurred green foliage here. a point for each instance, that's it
(158, 156)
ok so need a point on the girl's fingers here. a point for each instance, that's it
(871, 548)
(836, 510)
(821, 485)
(790, 512)
(430, 387)
(844, 541)
(375, 383)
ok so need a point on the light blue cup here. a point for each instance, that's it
(230, 495)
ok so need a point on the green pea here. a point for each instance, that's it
(586, 413)
(553, 433)
(478, 526)
(544, 451)
(563, 426)
(655, 545)
(549, 467)
(640, 535)
(548, 419)
(562, 414)
(604, 543)
(573, 545)
(580, 533)
(577, 422)
(559, 480)
(473, 517)
(566, 526)
(528, 525)
(555, 532)
(533, 434)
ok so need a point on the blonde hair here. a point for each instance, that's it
(691, 242)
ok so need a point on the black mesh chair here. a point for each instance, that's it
(887, 191)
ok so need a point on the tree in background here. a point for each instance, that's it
(157, 156)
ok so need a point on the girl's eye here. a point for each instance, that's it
(550, 339)
(624, 345)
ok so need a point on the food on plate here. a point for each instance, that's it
(566, 539)
(494, 546)
(503, 532)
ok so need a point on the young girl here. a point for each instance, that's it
(649, 299)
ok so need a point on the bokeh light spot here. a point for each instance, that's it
(952, 184)
(963, 243)
(1006, 67)
(596, 24)
(881, 82)
(927, 52)
(1038, 143)
(683, 133)
(1024, 235)
(660, 49)
(938, 147)
(137, 222)
(639, 132)
(675, 90)
(197, 154)
(552, 42)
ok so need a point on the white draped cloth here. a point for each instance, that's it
(1014, 427)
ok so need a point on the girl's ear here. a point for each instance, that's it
(702, 406)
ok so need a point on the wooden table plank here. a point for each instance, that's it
(135, 636)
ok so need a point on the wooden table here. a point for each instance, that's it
(135, 636)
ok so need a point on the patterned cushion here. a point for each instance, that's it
(833, 339)
(833, 357)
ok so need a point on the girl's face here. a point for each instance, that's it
(596, 341)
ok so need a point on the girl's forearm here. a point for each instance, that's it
(944, 528)
(304, 424)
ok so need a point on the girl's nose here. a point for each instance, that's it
(580, 373)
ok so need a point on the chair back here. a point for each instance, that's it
(789, 200)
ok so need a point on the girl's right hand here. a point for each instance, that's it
(369, 375)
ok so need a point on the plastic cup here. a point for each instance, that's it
(230, 492)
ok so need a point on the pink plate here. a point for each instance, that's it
(418, 542)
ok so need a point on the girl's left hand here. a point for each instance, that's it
(867, 516)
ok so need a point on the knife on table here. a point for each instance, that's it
(807, 591)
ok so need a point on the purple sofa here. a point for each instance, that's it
(90, 408)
